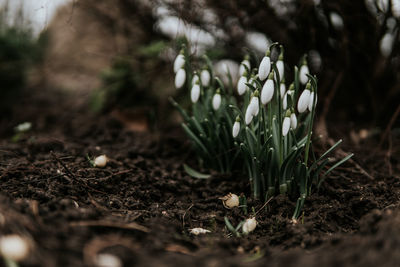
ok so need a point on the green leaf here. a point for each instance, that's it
(194, 173)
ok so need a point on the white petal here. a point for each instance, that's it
(235, 129)
(303, 101)
(310, 103)
(285, 126)
(195, 79)
(242, 68)
(180, 78)
(281, 69)
(195, 93)
(205, 77)
(267, 92)
(282, 89)
(249, 225)
(284, 102)
(303, 74)
(241, 86)
(255, 106)
(216, 101)
(293, 121)
(264, 69)
(249, 116)
(179, 62)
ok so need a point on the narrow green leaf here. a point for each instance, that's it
(194, 173)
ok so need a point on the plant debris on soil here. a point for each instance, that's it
(142, 205)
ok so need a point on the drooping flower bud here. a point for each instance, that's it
(100, 161)
(286, 123)
(310, 103)
(179, 62)
(241, 86)
(303, 74)
(236, 127)
(195, 93)
(253, 108)
(267, 91)
(205, 78)
(265, 67)
(304, 99)
(242, 67)
(249, 225)
(293, 121)
(180, 78)
(230, 201)
(195, 78)
(288, 94)
(282, 88)
(216, 101)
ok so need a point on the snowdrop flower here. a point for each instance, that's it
(282, 88)
(252, 109)
(293, 121)
(244, 63)
(303, 73)
(216, 101)
(236, 127)
(286, 124)
(267, 91)
(304, 99)
(14, 248)
(241, 86)
(179, 62)
(289, 93)
(310, 103)
(195, 92)
(195, 79)
(205, 77)
(280, 66)
(249, 225)
(265, 67)
(180, 78)
(230, 201)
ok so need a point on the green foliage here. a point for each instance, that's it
(275, 157)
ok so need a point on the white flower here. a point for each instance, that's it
(284, 102)
(255, 106)
(14, 247)
(241, 86)
(235, 129)
(248, 116)
(242, 68)
(195, 93)
(310, 103)
(285, 126)
(198, 231)
(180, 78)
(195, 79)
(304, 100)
(179, 62)
(265, 68)
(249, 225)
(230, 201)
(303, 74)
(267, 91)
(281, 69)
(216, 101)
(293, 121)
(205, 77)
(100, 161)
(282, 89)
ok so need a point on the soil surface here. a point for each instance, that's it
(142, 205)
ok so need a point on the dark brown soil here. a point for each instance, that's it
(141, 206)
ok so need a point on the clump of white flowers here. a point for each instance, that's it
(256, 125)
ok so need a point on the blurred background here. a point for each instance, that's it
(115, 56)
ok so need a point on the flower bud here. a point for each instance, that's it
(303, 74)
(249, 225)
(304, 100)
(236, 128)
(230, 201)
(205, 77)
(281, 69)
(242, 67)
(265, 68)
(179, 62)
(195, 78)
(14, 247)
(310, 103)
(285, 125)
(254, 105)
(248, 116)
(100, 161)
(267, 91)
(195, 93)
(241, 86)
(282, 88)
(180, 78)
(216, 101)
(293, 121)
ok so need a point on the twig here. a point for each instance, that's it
(389, 127)
(265, 204)
(69, 173)
(183, 217)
